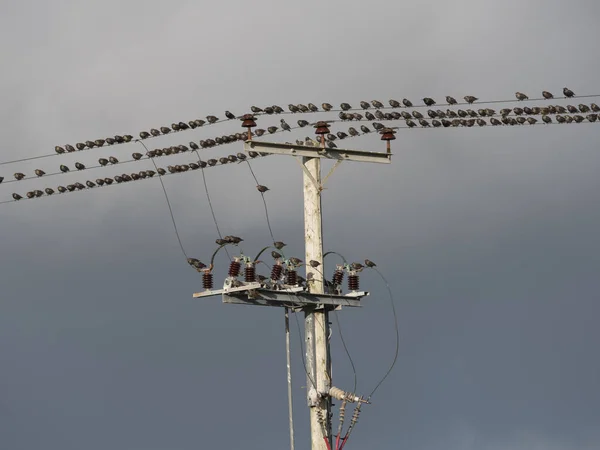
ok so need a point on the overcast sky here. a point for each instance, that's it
(488, 236)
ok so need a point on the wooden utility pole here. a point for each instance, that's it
(313, 300)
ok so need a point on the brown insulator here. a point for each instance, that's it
(250, 273)
(353, 282)
(207, 280)
(234, 268)
(276, 272)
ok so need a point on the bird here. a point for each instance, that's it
(275, 254)
(417, 115)
(272, 129)
(470, 99)
(19, 176)
(345, 106)
(451, 100)
(99, 142)
(302, 123)
(285, 126)
(312, 107)
(211, 162)
(531, 120)
(353, 131)
(39, 172)
(279, 245)
(407, 103)
(327, 106)
(108, 181)
(429, 101)
(394, 103)
(90, 184)
(221, 242)
(137, 156)
(370, 263)
(547, 95)
(295, 261)
(30, 194)
(262, 189)
(341, 135)
(134, 176)
(64, 168)
(232, 158)
(58, 149)
(583, 108)
(377, 104)
(255, 109)
(90, 144)
(197, 264)
(69, 148)
(229, 115)
(314, 264)
(212, 119)
(79, 166)
(365, 105)
(113, 160)
(233, 239)
(547, 119)
(100, 181)
(61, 189)
(365, 129)
(80, 146)
(16, 196)
(520, 96)
(568, 92)
(293, 108)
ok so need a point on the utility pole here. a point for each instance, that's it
(316, 303)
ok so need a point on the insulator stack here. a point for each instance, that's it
(291, 278)
(207, 280)
(234, 268)
(355, 415)
(353, 282)
(338, 277)
(250, 273)
(276, 272)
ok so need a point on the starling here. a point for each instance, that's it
(312, 107)
(365, 105)
(520, 120)
(262, 189)
(79, 166)
(592, 117)
(379, 115)
(568, 93)
(221, 242)
(547, 95)
(165, 130)
(61, 189)
(150, 173)
(71, 187)
(572, 109)
(517, 111)
(285, 126)
(436, 123)
(255, 109)
(327, 106)
(569, 119)
(546, 119)
(314, 264)
(377, 104)
(369, 116)
(90, 184)
(583, 108)
(424, 123)
(407, 103)
(429, 101)
(394, 103)
(161, 171)
(302, 123)
(471, 113)
(353, 132)
(252, 154)
(137, 156)
(293, 108)
(234, 239)
(481, 122)
(295, 261)
(40, 172)
(232, 158)
(411, 124)
(30, 194)
(345, 106)
(378, 126)
(560, 119)
(577, 118)
(302, 108)
(531, 120)
(451, 100)
(38, 193)
(482, 112)
(211, 162)
(241, 156)
(520, 96)
(341, 135)
(113, 160)
(118, 179)
(356, 266)
(275, 255)
(134, 177)
(90, 144)
(69, 148)
(99, 142)
(279, 245)
(594, 107)
(229, 115)
(79, 186)
(344, 116)
(100, 181)
(449, 113)
(19, 176)
(432, 114)
(196, 263)
(58, 149)
(64, 168)
(331, 144)
(110, 141)
(175, 127)
(417, 115)
(470, 99)
(183, 126)
(80, 146)
(462, 113)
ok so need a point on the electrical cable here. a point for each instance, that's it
(170, 208)
(346, 350)
(264, 202)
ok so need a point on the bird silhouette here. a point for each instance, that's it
(100, 181)
(407, 103)
(161, 171)
(356, 266)
(568, 93)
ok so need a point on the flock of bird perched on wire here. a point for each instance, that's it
(374, 112)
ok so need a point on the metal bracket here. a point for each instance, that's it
(317, 152)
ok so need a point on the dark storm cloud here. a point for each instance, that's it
(488, 236)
